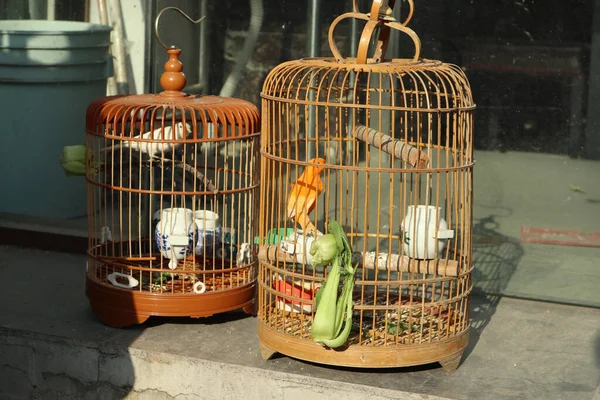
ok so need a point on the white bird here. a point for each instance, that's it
(154, 143)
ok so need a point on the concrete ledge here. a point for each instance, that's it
(51, 367)
(53, 347)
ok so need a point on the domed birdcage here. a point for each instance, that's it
(379, 151)
(172, 188)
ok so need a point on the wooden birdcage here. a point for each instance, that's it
(172, 189)
(390, 141)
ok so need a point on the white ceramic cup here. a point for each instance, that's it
(425, 232)
(209, 230)
(175, 234)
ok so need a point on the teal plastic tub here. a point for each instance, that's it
(49, 72)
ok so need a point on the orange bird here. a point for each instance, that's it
(303, 195)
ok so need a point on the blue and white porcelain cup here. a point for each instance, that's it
(209, 231)
(175, 234)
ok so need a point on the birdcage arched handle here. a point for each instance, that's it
(160, 13)
(334, 49)
(363, 46)
(374, 20)
(411, 8)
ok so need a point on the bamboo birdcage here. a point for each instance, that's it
(171, 211)
(395, 138)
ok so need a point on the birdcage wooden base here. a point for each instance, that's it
(447, 352)
(118, 308)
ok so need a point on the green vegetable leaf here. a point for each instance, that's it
(332, 323)
(323, 326)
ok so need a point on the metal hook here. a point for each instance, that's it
(180, 12)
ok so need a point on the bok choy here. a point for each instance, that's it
(333, 319)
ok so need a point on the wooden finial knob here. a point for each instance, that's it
(173, 80)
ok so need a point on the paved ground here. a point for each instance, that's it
(49, 338)
(545, 191)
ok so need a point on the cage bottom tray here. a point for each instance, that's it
(289, 333)
(180, 280)
(119, 307)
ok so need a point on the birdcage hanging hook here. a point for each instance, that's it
(381, 17)
(197, 21)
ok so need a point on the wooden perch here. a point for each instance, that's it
(199, 175)
(395, 147)
(207, 183)
(398, 263)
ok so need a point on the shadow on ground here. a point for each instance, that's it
(495, 258)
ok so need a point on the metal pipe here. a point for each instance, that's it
(349, 149)
(51, 10)
(102, 12)
(393, 49)
(314, 28)
(119, 47)
(35, 9)
(592, 129)
(204, 59)
(149, 53)
(111, 82)
(313, 48)
(353, 37)
(86, 11)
